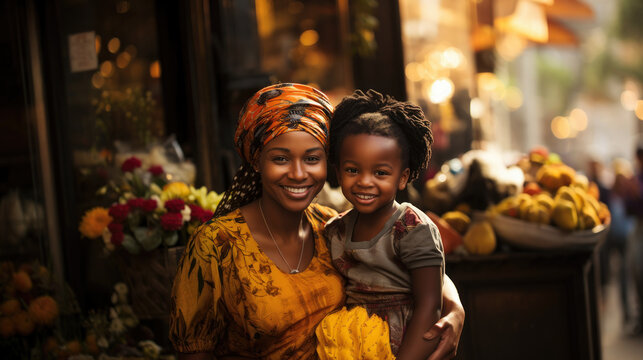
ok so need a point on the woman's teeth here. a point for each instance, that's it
(296, 190)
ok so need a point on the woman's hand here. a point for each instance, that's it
(449, 328)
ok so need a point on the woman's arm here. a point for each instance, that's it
(449, 328)
(426, 284)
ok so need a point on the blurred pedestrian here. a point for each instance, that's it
(620, 230)
(634, 206)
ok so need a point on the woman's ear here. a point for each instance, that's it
(404, 179)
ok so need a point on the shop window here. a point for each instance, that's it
(306, 42)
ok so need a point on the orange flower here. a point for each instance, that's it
(10, 307)
(74, 347)
(91, 344)
(7, 329)
(23, 323)
(44, 310)
(50, 346)
(94, 222)
(22, 281)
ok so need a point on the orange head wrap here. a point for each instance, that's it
(277, 109)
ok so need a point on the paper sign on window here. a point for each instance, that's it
(82, 51)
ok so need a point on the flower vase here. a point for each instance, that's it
(149, 276)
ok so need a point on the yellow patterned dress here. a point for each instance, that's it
(229, 297)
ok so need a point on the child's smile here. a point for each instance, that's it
(370, 173)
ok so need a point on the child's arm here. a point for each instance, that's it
(426, 284)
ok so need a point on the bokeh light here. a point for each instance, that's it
(639, 109)
(560, 127)
(476, 108)
(106, 68)
(441, 90)
(629, 99)
(309, 37)
(155, 69)
(514, 98)
(578, 119)
(113, 45)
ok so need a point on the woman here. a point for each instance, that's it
(257, 279)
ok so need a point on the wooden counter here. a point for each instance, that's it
(528, 305)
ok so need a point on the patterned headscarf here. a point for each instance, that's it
(272, 111)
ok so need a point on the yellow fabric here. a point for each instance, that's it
(230, 298)
(353, 335)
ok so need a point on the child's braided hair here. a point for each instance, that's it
(376, 114)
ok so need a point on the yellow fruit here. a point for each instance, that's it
(537, 213)
(588, 218)
(508, 207)
(525, 204)
(480, 238)
(603, 213)
(458, 220)
(545, 200)
(567, 193)
(564, 214)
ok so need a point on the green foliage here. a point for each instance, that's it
(629, 24)
(364, 25)
(555, 83)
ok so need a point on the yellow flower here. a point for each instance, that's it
(175, 190)
(206, 200)
(94, 222)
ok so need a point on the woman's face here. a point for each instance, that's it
(293, 170)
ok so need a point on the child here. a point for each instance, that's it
(391, 254)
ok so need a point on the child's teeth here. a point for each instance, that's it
(365, 197)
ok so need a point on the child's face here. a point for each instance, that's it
(370, 171)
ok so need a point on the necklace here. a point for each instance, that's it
(301, 254)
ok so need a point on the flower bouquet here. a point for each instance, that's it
(151, 211)
(147, 227)
(28, 310)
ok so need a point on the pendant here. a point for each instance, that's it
(294, 271)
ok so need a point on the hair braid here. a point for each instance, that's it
(400, 120)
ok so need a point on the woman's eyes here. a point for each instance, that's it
(309, 159)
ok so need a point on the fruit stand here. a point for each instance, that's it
(522, 245)
(528, 305)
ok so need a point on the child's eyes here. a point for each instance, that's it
(381, 173)
(351, 170)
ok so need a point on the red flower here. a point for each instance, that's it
(156, 170)
(136, 203)
(130, 164)
(119, 212)
(174, 205)
(115, 227)
(117, 238)
(200, 214)
(149, 205)
(171, 221)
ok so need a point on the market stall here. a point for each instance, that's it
(523, 249)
